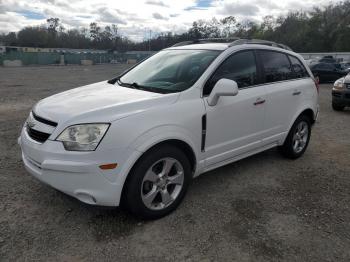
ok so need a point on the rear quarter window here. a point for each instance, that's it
(299, 70)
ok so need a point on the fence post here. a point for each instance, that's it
(61, 59)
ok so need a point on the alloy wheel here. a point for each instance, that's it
(300, 138)
(162, 183)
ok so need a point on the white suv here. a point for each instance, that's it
(140, 138)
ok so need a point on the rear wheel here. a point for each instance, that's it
(337, 107)
(298, 138)
(158, 182)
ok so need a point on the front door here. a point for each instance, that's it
(235, 123)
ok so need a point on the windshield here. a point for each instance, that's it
(169, 71)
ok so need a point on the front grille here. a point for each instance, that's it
(43, 120)
(36, 135)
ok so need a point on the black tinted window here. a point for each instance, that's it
(298, 68)
(327, 60)
(240, 67)
(276, 66)
(325, 67)
(316, 67)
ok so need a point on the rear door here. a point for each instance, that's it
(283, 93)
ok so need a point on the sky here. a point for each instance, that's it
(136, 18)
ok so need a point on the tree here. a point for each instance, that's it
(95, 31)
(229, 26)
(9, 39)
(33, 36)
(322, 29)
(53, 25)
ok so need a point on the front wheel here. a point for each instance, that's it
(158, 182)
(298, 138)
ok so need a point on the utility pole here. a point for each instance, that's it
(149, 40)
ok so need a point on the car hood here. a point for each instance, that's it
(99, 102)
(346, 79)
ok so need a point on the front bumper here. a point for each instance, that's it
(341, 97)
(77, 173)
(317, 113)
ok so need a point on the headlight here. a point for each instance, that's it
(339, 84)
(84, 137)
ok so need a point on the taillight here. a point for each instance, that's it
(317, 83)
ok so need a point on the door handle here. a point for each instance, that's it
(296, 93)
(259, 101)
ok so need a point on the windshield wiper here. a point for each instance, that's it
(135, 85)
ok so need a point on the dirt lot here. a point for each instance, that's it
(264, 208)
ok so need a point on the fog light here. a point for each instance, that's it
(86, 198)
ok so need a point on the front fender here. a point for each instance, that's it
(161, 134)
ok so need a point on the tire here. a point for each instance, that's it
(337, 107)
(151, 191)
(295, 144)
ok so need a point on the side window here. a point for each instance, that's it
(322, 66)
(330, 67)
(315, 67)
(299, 70)
(276, 66)
(327, 67)
(240, 67)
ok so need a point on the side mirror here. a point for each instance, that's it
(223, 87)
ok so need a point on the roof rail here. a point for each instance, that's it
(259, 42)
(235, 41)
(205, 40)
(225, 39)
(190, 42)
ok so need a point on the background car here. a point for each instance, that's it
(327, 72)
(330, 60)
(312, 61)
(345, 66)
(341, 93)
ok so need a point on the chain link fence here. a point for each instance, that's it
(46, 58)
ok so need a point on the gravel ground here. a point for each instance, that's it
(263, 208)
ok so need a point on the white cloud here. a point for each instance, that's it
(135, 18)
(11, 21)
(158, 16)
(159, 3)
(237, 8)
